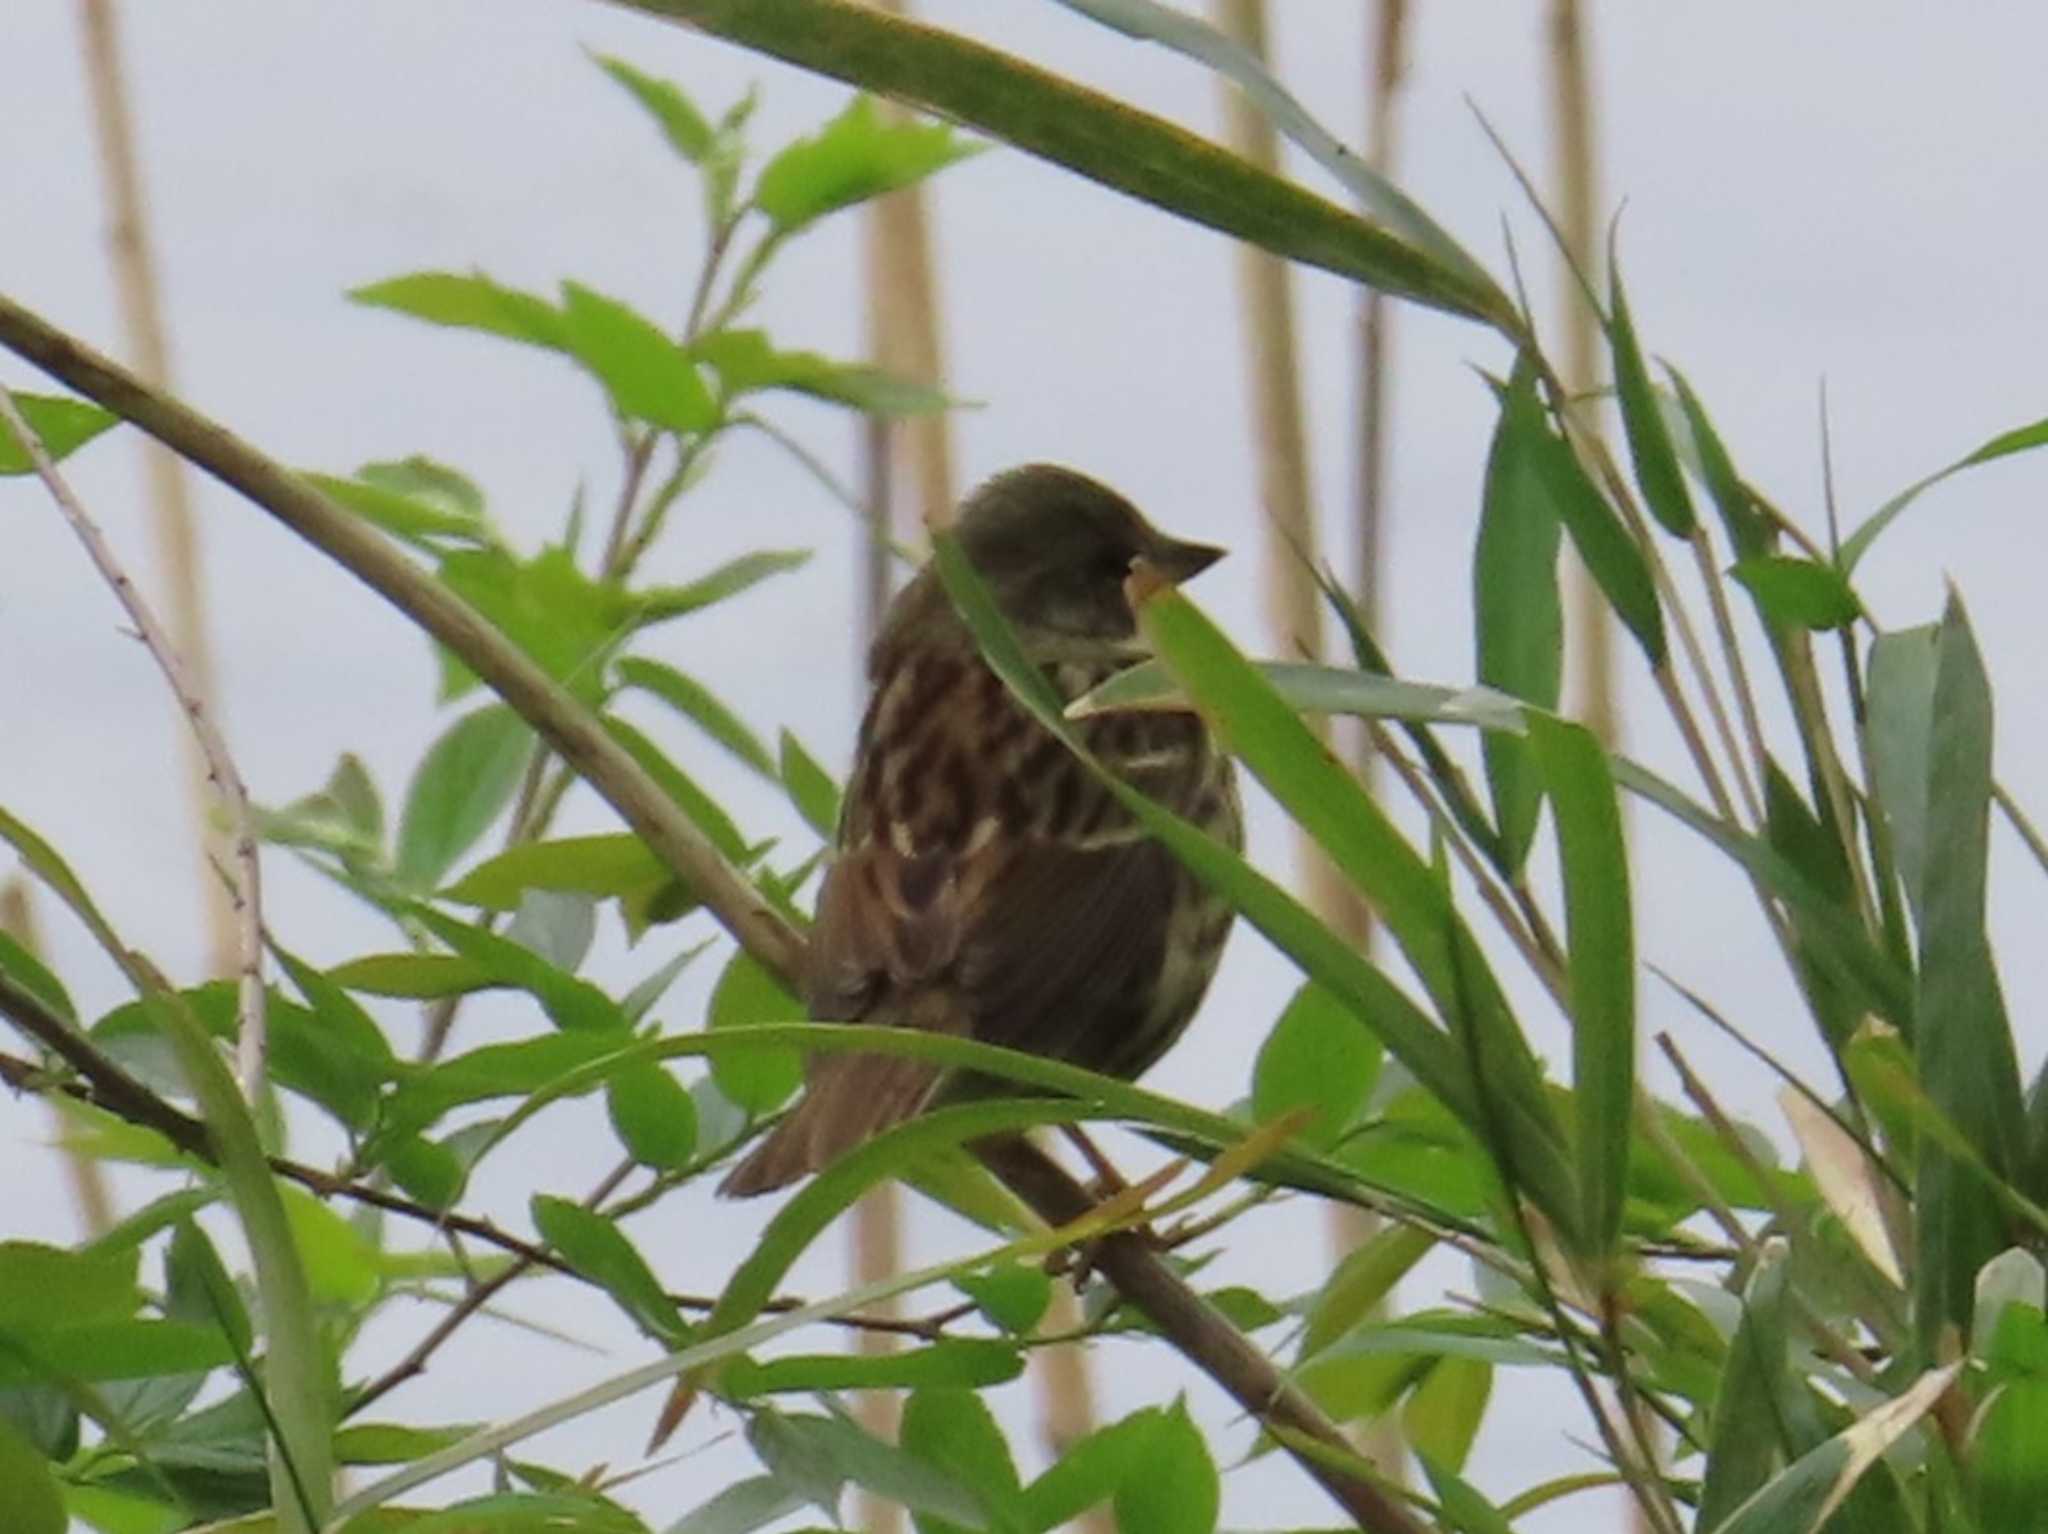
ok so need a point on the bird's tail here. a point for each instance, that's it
(848, 1099)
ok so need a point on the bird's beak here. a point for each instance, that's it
(1179, 561)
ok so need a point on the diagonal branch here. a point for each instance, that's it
(1192, 1325)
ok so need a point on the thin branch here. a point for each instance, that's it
(1193, 1327)
(251, 1045)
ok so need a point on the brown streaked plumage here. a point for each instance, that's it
(985, 883)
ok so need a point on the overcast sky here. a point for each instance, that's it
(1833, 191)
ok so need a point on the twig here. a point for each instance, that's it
(251, 1045)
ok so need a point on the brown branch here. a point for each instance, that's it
(1195, 1328)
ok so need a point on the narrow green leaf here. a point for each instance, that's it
(654, 1117)
(595, 1247)
(1600, 968)
(50, 1286)
(695, 702)
(1014, 1296)
(401, 515)
(1363, 1280)
(658, 604)
(197, 1286)
(1801, 1498)
(647, 375)
(63, 426)
(1612, 557)
(1754, 1431)
(741, 1508)
(1962, 1041)
(704, 812)
(1517, 617)
(1172, 1482)
(745, 360)
(569, 1002)
(1749, 531)
(493, 1071)
(392, 1443)
(471, 302)
(965, 1364)
(2019, 440)
(1463, 1508)
(1088, 1473)
(1329, 803)
(34, 977)
(1443, 1412)
(856, 156)
(613, 864)
(811, 788)
(759, 1080)
(111, 1350)
(1649, 443)
(688, 134)
(1316, 1058)
(811, 1451)
(417, 976)
(463, 784)
(1799, 593)
(1899, 720)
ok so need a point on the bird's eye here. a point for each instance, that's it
(1113, 566)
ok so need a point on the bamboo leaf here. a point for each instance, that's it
(1649, 442)
(2019, 440)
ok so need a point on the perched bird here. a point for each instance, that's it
(985, 883)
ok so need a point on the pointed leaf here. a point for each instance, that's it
(857, 155)
(469, 302)
(1649, 443)
(646, 374)
(595, 1247)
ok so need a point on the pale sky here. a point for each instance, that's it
(1835, 191)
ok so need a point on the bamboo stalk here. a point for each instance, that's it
(133, 262)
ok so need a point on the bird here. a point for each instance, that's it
(985, 883)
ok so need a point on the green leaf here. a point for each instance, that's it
(548, 607)
(50, 1286)
(1088, 1473)
(471, 302)
(695, 702)
(492, 1071)
(1749, 532)
(28, 1490)
(2011, 1458)
(1758, 1406)
(613, 864)
(111, 1511)
(1800, 1498)
(811, 788)
(595, 1247)
(1798, 592)
(1444, 1411)
(1460, 1504)
(759, 1080)
(688, 134)
(30, 973)
(1600, 969)
(741, 1508)
(393, 1443)
(658, 604)
(415, 976)
(745, 360)
(966, 1364)
(857, 155)
(62, 425)
(110, 1350)
(1899, 712)
(340, 1264)
(570, 1003)
(1012, 1295)
(811, 1451)
(1649, 443)
(463, 784)
(2019, 440)
(1611, 554)
(1171, 1485)
(1316, 1057)
(703, 811)
(1517, 616)
(1962, 1039)
(414, 518)
(647, 375)
(1363, 1280)
(548, 1512)
(197, 1286)
(654, 1117)
(954, 1430)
